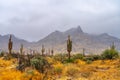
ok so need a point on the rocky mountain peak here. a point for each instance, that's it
(76, 30)
(79, 29)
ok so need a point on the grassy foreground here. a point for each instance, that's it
(78, 70)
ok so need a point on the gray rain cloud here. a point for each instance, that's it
(35, 19)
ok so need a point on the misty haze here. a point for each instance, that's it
(59, 40)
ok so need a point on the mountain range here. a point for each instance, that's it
(57, 40)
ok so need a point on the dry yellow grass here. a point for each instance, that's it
(8, 72)
(79, 70)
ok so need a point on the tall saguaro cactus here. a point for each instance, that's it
(113, 46)
(52, 52)
(43, 50)
(69, 47)
(83, 51)
(10, 44)
(21, 49)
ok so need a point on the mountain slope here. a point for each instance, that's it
(92, 43)
(57, 41)
(16, 42)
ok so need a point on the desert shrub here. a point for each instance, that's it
(96, 57)
(21, 64)
(7, 56)
(69, 60)
(40, 63)
(15, 55)
(60, 57)
(88, 58)
(89, 61)
(73, 58)
(92, 57)
(31, 75)
(58, 70)
(2, 54)
(51, 60)
(78, 56)
(110, 54)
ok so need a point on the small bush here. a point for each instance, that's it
(96, 57)
(110, 54)
(88, 58)
(78, 56)
(92, 57)
(60, 57)
(73, 58)
(7, 57)
(69, 60)
(40, 63)
(58, 70)
(2, 54)
(89, 61)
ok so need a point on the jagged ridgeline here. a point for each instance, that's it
(57, 40)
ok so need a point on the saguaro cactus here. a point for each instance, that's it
(113, 46)
(21, 49)
(43, 50)
(10, 44)
(52, 52)
(69, 47)
(83, 51)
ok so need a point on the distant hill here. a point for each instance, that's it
(16, 42)
(57, 40)
(92, 43)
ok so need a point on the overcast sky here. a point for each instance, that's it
(35, 19)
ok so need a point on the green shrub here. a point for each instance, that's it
(58, 70)
(88, 58)
(89, 61)
(7, 57)
(2, 54)
(40, 64)
(73, 58)
(60, 57)
(78, 56)
(96, 57)
(69, 60)
(92, 58)
(110, 54)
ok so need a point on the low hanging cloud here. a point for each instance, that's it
(34, 19)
